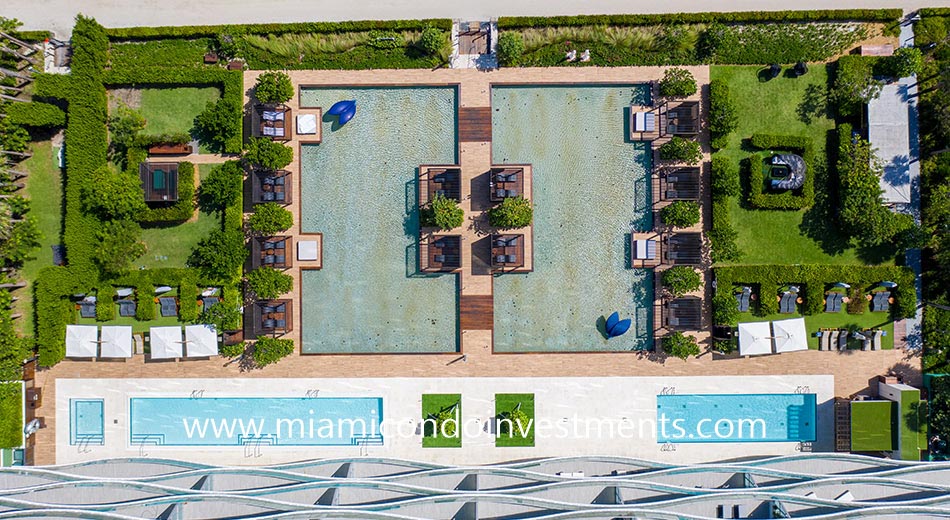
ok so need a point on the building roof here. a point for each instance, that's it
(159, 181)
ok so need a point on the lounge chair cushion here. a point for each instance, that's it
(169, 307)
(126, 308)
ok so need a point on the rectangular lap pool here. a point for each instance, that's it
(86, 422)
(736, 418)
(237, 421)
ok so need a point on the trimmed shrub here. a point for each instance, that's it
(36, 114)
(723, 114)
(680, 214)
(513, 212)
(188, 300)
(680, 279)
(680, 345)
(724, 181)
(725, 309)
(220, 255)
(273, 87)
(113, 195)
(906, 61)
(722, 237)
(118, 245)
(677, 82)
(105, 305)
(268, 351)
(268, 154)
(210, 31)
(759, 195)
(268, 283)
(222, 187)
(854, 84)
(270, 218)
(432, 41)
(443, 213)
(183, 208)
(682, 150)
(510, 47)
(836, 15)
(224, 316)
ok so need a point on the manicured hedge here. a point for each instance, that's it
(54, 310)
(814, 279)
(36, 114)
(231, 83)
(52, 86)
(206, 31)
(828, 15)
(722, 236)
(935, 11)
(757, 196)
(32, 36)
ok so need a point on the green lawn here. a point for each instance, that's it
(11, 415)
(170, 246)
(836, 320)
(507, 402)
(173, 110)
(872, 425)
(432, 404)
(44, 188)
(787, 106)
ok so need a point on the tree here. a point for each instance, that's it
(268, 283)
(268, 154)
(24, 238)
(218, 123)
(861, 209)
(268, 351)
(114, 195)
(270, 218)
(513, 212)
(13, 137)
(514, 422)
(222, 187)
(854, 85)
(233, 351)
(220, 255)
(124, 125)
(724, 181)
(446, 422)
(274, 87)
(723, 115)
(222, 316)
(432, 40)
(680, 279)
(677, 82)
(510, 48)
(680, 345)
(443, 213)
(906, 61)
(681, 150)
(725, 309)
(680, 214)
(118, 246)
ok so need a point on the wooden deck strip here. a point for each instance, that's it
(476, 312)
(475, 124)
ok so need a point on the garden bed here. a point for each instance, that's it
(518, 437)
(433, 405)
(11, 415)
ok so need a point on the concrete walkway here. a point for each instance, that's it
(59, 15)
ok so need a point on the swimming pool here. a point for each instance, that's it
(238, 421)
(86, 422)
(590, 188)
(359, 190)
(736, 418)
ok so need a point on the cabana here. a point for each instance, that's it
(684, 248)
(116, 341)
(273, 317)
(159, 181)
(684, 313)
(273, 251)
(755, 338)
(82, 341)
(789, 335)
(507, 252)
(201, 341)
(166, 342)
(680, 184)
(440, 253)
(681, 118)
(506, 182)
(440, 180)
(272, 121)
(272, 186)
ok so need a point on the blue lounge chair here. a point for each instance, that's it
(499, 259)
(439, 259)
(126, 308)
(169, 307)
(209, 301)
(270, 324)
(510, 259)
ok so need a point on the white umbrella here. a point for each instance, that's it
(166, 342)
(116, 341)
(82, 341)
(790, 335)
(201, 340)
(755, 338)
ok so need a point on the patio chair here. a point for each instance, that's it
(500, 193)
(126, 308)
(439, 259)
(268, 309)
(269, 259)
(511, 193)
(876, 339)
(744, 298)
(87, 309)
(832, 339)
(209, 301)
(269, 245)
(278, 195)
(280, 324)
(843, 340)
(169, 306)
(830, 300)
(280, 244)
(269, 324)
(510, 259)
(511, 242)
(499, 259)
(267, 196)
(501, 242)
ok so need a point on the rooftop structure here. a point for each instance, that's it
(272, 317)
(684, 313)
(681, 183)
(684, 248)
(680, 118)
(159, 181)
(439, 180)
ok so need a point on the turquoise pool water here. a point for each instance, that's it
(358, 188)
(237, 421)
(590, 187)
(736, 418)
(86, 422)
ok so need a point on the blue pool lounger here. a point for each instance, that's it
(340, 107)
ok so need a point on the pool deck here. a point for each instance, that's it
(851, 369)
